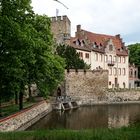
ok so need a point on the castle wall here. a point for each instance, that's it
(87, 85)
(91, 87)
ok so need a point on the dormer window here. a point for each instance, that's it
(74, 42)
(120, 50)
(79, 43)
(94, 44)
(83, 41)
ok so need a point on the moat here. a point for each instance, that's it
(88, 117)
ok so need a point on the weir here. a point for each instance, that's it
(64, 103)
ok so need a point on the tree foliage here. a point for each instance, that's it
(71, 57)
(134, 55)
(26, 51)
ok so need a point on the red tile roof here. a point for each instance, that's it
(101, 40)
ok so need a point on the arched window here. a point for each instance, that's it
(110, 58)
(123, 59)
(106, 58)
(131, 73)
(115, 58)
(119, 71)
(96, 56)
(119, 59)
(115, 71)
(124, 72)
(101, 57)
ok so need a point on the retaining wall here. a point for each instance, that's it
(25, 118)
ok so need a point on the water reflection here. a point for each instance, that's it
(91, 117)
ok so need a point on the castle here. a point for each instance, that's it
(100, 51)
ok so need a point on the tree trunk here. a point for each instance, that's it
(30, 92)
(0, 107)
(21, 100)
(16, 98)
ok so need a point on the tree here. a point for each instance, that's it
(15, 33)
(134, 55)
(26, 51)
(71, 57)
(49, 68)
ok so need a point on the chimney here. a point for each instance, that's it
(78, 28)
(117, 36)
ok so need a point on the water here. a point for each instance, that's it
(88, 117)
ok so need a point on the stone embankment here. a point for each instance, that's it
(111, 97)
(25, 118)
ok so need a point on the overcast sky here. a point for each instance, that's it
(99, 16)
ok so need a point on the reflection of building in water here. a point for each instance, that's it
(118, 119)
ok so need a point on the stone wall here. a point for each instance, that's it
(61, 29)
(123, 96)
(25, 118)
(90, 87)
(83, 86)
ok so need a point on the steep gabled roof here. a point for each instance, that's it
(98, 42)
(102, 38)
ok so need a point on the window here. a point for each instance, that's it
(115, 71)
(119, 71)
(96, 56)
(131, 73)
(119, 59)
(109, 82)
(124, 72)
(106, 59)
(101, 57)
(115, 58)
(110, 58)
(86, 55)
(110, 48)
(81, 54)
(123, 59)
(135, 74)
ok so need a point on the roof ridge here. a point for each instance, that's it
(99, 34)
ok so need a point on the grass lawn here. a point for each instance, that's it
(125, 133)
(11, 109)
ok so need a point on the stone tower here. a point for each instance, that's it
(61, 29)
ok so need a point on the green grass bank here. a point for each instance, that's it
(125, 133)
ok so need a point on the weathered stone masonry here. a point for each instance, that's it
(85, 86)
(90, 87)
(25, 118)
